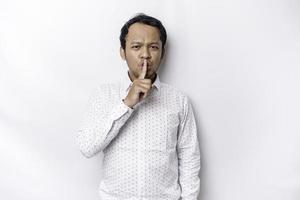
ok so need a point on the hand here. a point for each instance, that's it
(140, 88)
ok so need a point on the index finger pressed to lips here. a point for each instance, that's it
(144, 70)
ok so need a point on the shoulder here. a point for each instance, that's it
(174, 92)
(177, 99)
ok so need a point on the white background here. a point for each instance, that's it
(238, 61)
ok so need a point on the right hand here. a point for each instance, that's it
(140, 88)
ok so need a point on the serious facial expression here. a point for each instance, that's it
(142, 43)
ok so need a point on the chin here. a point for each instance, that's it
(149, 76)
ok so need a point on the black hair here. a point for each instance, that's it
(144, 19)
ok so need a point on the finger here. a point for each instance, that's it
(141, 81)
(142, 94)
(142, 88)
(146, 81)
(144, 70)
(145, 85)
(145, 95)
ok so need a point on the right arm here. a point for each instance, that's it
(101, 123)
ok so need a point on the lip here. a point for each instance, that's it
(142, 63)
(148, 66)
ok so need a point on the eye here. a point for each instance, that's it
(135, 47)
(154, 47)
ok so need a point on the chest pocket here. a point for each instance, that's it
(161, 131)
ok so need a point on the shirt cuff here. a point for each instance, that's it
(120, 109)
(126, 105)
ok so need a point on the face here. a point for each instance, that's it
(142, 42)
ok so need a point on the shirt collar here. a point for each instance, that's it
(126, 83)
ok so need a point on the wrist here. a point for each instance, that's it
(127, 103)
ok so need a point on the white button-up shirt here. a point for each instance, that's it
(151, 151)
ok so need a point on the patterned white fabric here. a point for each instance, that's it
(151, 152)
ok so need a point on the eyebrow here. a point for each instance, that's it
(137, 42)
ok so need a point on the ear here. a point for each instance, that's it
(122, 53)
(163, 52)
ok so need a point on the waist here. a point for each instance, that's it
(129, 174)
(107, 194)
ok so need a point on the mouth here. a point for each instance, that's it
(142, 63)
(148, 67)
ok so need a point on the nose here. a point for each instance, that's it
(145, 54)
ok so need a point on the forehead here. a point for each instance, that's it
(143, 32)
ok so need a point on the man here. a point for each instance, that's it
(145, 128)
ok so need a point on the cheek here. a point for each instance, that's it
(157, 59)
(130, 58)
(157, 56)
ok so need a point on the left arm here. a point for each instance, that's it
(188, 154)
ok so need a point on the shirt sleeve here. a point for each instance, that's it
(188, 154)
(101, 123)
